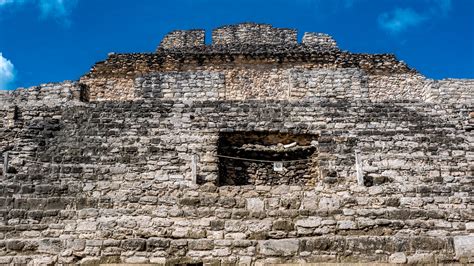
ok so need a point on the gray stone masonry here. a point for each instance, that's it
(253, 150)
(183, 38)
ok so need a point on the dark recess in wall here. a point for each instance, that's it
(247, 158)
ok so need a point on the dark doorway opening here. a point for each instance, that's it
(266, 158)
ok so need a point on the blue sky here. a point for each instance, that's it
(55, 40)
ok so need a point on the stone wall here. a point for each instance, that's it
(33, 105)
(142, 160)
(255, 82)
(262, 62)
(198, 85)
(256, 79)
(113, 79)
(105, 89)
(252, 33)
(261, 82)
(452, 91)
(255, 45)
(113, 182)
(345, 83)
(398, 87)
(44, 94)
(183, 39)
(319, 40)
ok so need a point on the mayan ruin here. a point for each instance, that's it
(254, 149)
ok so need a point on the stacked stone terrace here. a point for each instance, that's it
(253, 149)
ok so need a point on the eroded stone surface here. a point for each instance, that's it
(287, 247)
(122, 166)
(464, 246)
(398, 258)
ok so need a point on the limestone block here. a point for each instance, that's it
(464, 246)
(398, 258)
(420, 258)
(255, 204)
(86, 226)
(329, 203)
(286, 247)
(201, 244)
(470, 226)
(50, 246)
(136, 260)
(311, 222)
(222, 252)
(88, 213)
(346, 225)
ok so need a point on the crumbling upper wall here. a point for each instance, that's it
(258, 61)
(319, 40)
(270, 76)
(29, 104)
(183, 38)
(48, 94)
(113, 79)
(253, 33)
(452, 91)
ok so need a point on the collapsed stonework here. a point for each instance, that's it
(253, 149)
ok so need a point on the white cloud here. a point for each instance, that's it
(55, 9)
(7, 72)
(7, 2)
(400, 19)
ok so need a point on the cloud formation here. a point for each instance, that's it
(401, 19)
(7, 72)
(58, 10)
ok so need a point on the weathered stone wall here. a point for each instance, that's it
(319, 40)
(262, 82)
(345, 83)
(183, 39)
(126, 165)
(105, 89)
(452, 91)
(113, 79)
(33, 105)
(244, 79)
(255, 82)
(113, 182)
(262, 62)
(252, 33)
(45, 94)
(398, 87)
(198, 85)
